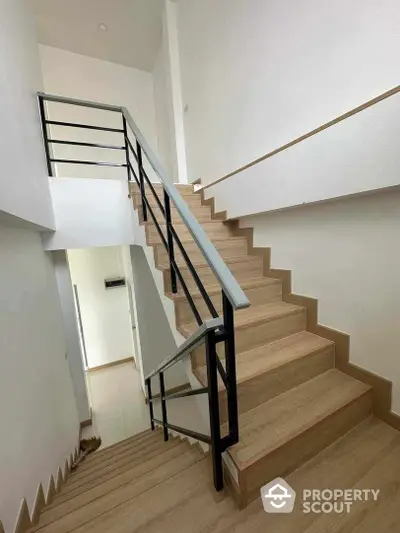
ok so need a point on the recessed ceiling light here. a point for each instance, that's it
(103, 27)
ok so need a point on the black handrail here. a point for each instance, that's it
(210, 332)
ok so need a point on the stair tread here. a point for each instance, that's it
(228, 260)
(216, 289)
(277, 421)
(270, 356)
(253, 315)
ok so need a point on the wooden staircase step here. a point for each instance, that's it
(243, 268)
(258, 290)
(127, 461)
(157, 496)
(278, 436)
(272, 369)
(212, 228)
(121, 455)
(227, 248)
(126, 446)
(81, 516)
(202, 214)
(110, 483)
(257, 326)
(118, 446)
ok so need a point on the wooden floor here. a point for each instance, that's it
(143, 484)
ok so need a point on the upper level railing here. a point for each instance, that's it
(137, 156)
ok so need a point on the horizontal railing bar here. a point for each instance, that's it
(231, 287)
(82, 126)
(79, 162)
(92, 145)
(174, 395)
(81, 103)
(190, 344)
(188, 432)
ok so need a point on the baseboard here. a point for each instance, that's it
(381, 387)
(113, 363)
(25, 521)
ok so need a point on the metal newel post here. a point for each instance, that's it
(230, 365)
(213, 402)
(150, 399)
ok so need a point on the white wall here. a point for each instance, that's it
(38, 413)
(82, 77)
(168, 98)
(162, 104)
(88, 213)
(105, 313)
(74, 349)
(346, 254)
(156, 335)
(358, 155)
(24, 189)
(256, 74)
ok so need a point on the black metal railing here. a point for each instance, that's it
(210, 332)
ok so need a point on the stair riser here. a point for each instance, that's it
(227, 248)
(302, 448)
(257, 296)
(259, 334)
(192, 200)
(202, 214)
(256, 335)
(263, 387)
(241, 271)
(217, 230)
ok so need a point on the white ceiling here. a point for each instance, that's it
(132, 39)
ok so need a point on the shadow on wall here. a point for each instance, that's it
(156, 338)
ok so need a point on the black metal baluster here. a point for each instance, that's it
(230, 365)
(42, 110)
(163, 406)
(141, 180)
(126, 148)
(213, 402)
(150, 399)
(170, 240)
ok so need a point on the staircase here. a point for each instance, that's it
(292, 402)
(145, 485)
(264, 373)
